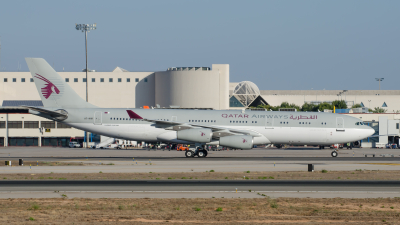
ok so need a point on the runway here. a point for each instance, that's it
(211, 159)
(203, 188)
(263, 155)
(200, 185)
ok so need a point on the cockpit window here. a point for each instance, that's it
(360, 123)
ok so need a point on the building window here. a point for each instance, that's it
(136, 79)
(128, 79)
(110, 80)
(31, 124)
(31, 79)
(22, 79)
(83, 80)
(101, 79)
(15, 124)
(93, 79)
(75, 79)
(145, 79)
(14, 79)
(5, 79)
(48, 124)
(2, 124)
(119, 79)
(397, 125)
(61, 125)
(384, 104)
(66, 79)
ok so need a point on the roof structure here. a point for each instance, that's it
(119, 69)
(15, 103)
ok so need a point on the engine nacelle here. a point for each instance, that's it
(198, 135)
(237, 141)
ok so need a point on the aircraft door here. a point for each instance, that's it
(339, 124)
(269, 122)
(97, 118)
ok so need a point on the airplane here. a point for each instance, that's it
(240, 129)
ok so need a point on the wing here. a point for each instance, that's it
(218, 131)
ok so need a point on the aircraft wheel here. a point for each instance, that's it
(334, 154)
(189, 154)
(201, 154)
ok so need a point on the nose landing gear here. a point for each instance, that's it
(334, 153)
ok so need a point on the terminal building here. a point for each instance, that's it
(176, 87)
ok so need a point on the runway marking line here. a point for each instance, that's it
(253, 192)
(385, 164)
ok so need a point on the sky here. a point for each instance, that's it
(278, 45)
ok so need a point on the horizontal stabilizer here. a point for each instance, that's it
(62, 115)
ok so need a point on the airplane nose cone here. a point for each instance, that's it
(371, 131)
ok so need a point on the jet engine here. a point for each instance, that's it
(198, 135)
(237, 141)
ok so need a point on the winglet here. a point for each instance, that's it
(133, 115)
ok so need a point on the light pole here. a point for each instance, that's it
(379, 79)
(345, 99)
(86, 28)
(369, 104)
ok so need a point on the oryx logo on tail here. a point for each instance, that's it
(49, 87)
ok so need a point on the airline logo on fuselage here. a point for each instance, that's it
(291, 117)
(49, 87)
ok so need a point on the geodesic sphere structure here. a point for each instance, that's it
(246, 92)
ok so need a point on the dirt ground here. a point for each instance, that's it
(317, 175)
(200, 211)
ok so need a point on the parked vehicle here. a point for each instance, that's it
(74, 144)
(182, 147)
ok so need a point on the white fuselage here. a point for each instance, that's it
(275, 135)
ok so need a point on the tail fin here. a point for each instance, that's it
(53, 90)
